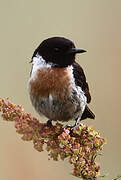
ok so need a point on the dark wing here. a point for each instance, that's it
(80, 80)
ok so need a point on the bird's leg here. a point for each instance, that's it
(49, 123)
(77, 121)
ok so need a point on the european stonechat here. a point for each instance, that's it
(57, 86)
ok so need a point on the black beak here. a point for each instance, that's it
(76, 50)
(31, 61)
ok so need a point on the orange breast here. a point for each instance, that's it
(55, 81)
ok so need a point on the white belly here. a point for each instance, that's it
(55, 109)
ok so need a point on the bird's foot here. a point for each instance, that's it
(68, 126)
(71, 127)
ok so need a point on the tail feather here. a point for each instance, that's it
(87, 114)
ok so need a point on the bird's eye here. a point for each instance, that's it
(56, 49)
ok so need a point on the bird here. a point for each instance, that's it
(57, 85)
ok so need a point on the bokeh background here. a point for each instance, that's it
(93, 25)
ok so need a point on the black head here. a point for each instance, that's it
(58, 50)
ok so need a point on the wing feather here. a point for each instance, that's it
(80, 80)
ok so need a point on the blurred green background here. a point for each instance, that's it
(93, 25)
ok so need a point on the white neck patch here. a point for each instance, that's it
(38, 63)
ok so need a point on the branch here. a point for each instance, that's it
(81, 145)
